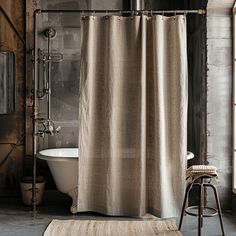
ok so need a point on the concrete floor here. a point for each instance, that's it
(16, 219)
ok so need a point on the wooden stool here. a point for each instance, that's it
(201, 176)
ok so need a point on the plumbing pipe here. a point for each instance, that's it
(137, 5)
(49, 33)
(198, 11)
(49, 80)
(34, 116)
(234, 100)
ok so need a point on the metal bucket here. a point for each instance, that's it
(26, 189)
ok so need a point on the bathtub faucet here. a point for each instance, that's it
(49, 127)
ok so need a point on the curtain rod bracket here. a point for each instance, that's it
(201, 11)
(37, 11)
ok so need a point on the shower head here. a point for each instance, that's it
(50, 32)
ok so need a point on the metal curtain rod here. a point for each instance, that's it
(198, 11)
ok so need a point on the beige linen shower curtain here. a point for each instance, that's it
(133, 114)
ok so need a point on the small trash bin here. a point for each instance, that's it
(26, 185)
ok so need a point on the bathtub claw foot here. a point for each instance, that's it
(73, 194)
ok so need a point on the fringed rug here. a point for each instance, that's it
(111, 228)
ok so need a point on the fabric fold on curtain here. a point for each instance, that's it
(133, 115)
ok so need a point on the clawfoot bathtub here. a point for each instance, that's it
(63, 164)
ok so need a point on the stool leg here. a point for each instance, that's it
(218, 207)
(188, 188)
(200, 209)
(202, 201)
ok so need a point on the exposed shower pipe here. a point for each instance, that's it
(234, 100)
(137, 5)
(48, 86)
(49, 33)
(43, 64)
(34, 118)
(41, 94)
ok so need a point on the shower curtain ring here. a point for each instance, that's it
(120, 15)
(106, 17)
(83, 16)
(162, 14)
(174, 15)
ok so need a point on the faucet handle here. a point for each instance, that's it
(40, 133)
(58, 129)
(50, 128)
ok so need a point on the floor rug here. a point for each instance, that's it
(112, 228)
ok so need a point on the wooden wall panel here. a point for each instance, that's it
(12, 125)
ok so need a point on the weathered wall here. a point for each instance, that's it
(197, 82)
(12, 125)
(219, 94)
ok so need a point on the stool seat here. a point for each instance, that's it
(202, 168)
(197, 175)
(197, 171)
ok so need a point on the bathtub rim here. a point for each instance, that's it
(46, 157)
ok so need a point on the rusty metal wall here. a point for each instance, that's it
(12, 125)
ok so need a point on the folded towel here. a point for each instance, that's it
(196, 171)
(202, 168)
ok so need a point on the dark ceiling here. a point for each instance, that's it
(170, 4)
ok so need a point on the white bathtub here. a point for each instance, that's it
(63, 163)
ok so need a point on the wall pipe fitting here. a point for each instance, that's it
(137, 5)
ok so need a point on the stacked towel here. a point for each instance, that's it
(195, 171)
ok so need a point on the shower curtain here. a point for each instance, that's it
(133, 115)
